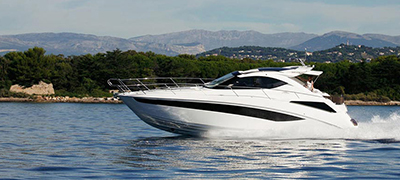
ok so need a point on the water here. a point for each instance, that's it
(107, 141)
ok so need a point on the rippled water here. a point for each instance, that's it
(69, 141)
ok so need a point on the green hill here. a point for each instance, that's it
(341, 52)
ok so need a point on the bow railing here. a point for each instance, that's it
(143, 84)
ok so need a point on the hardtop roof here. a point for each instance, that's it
(290, 71)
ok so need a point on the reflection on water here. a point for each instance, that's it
(197, 157)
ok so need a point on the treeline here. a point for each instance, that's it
(378, 80)
(86, 75)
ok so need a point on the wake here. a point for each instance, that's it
(376, 128)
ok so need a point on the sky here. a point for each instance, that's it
(131, 18)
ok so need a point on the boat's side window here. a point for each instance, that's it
(266, 82)
(246, 82)
(254, 82)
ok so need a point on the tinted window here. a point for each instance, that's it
(219, 80)
(254, 82)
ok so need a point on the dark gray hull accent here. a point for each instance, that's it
(317, 105)
(224, 108)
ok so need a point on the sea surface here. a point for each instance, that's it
(107, 141)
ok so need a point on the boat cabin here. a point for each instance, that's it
(254, 79)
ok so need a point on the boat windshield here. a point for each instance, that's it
(220, 80)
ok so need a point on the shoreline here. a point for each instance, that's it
(111, 100)
(39, 99)
(370, 103)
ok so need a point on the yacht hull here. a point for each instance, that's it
(184, 115)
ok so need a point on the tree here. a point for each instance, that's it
(4, 81)
(29, 67)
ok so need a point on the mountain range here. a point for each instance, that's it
(212, 40)
(334, 38)
(77, 44)
(188, 42)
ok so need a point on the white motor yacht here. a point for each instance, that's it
(271, 98)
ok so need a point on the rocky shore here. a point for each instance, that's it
(57, 99)
(371, 103)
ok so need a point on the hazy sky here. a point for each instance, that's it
(130, 18)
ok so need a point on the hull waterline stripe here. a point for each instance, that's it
(231, 109)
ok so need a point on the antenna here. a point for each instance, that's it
(305, 58)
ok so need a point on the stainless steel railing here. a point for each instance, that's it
(143, 84)
(175, 83)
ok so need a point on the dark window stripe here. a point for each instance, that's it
(318, 105)
(231, 109)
